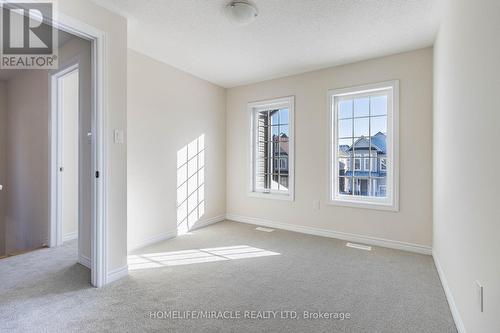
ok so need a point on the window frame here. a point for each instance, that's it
(391, 202)
(253, 108)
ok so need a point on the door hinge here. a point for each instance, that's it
(97, 174)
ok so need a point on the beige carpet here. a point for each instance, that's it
(253, 279)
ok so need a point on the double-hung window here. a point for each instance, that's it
(364, 146)
(272, 148)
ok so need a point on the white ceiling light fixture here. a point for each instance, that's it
(241, 12)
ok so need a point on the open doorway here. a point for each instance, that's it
(66, 185)
(46, 145)
(30, 151)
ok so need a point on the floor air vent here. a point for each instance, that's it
(264, 229)
(359, 246)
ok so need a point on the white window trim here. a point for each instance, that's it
(391, 203)
(253, 107)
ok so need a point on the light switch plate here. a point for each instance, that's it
(119, 137)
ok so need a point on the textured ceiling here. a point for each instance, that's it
(288, 37)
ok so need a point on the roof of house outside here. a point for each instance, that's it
(378, 142)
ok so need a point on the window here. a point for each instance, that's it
(357, 164)
(364, 128)
(272, 148)
(383, 164)
(283, 163)
(382, 189)
(367, 163)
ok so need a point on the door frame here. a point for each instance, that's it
(57, 146)
(97, 38)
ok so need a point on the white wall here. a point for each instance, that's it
(466, 186)
(69, 87)
(412, 224)
(3, 161)
(115, 28)
(168, 109)
(27, 184)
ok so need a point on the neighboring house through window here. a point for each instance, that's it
(383, 164)
(272, 148)
(364, 141)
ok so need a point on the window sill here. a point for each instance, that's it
(392, 207)
(274, 196)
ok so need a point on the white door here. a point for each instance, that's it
(68, 88)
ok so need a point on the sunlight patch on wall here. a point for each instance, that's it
(190, 184)
(197, 256)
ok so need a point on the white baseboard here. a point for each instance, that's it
(209, 221)
(85, 261)
(173, 233)
(451, 301)
(152, 240)
(117, 274)
(392, 244)
(70, 236)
